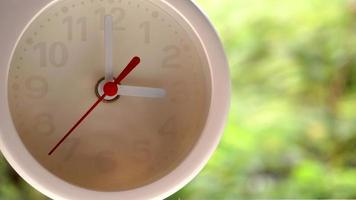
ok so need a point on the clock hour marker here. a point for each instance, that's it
(155, 14)
(64, 9)
(29, 41)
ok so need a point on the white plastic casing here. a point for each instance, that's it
(15, 15)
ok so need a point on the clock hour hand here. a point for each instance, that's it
(125, 90)
(108, 32)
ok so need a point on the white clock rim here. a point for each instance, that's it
(21, 160)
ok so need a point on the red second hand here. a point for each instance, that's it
(133, 63)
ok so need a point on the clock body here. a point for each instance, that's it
(131, 148)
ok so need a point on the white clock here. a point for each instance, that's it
(110, 99)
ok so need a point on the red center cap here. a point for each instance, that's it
(110, 89)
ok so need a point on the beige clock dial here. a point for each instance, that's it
(131, 141)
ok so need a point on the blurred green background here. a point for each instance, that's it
(291, 131)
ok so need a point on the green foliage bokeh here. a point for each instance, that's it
(292, 126)
(291, 131)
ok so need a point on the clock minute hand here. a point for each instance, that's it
(108, 32)
(133, 63)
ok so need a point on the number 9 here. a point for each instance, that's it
(36, 86)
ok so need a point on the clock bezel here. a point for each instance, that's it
(22, 161)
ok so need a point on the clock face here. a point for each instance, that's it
(129, 141)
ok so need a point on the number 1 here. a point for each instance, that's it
(146, 26)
